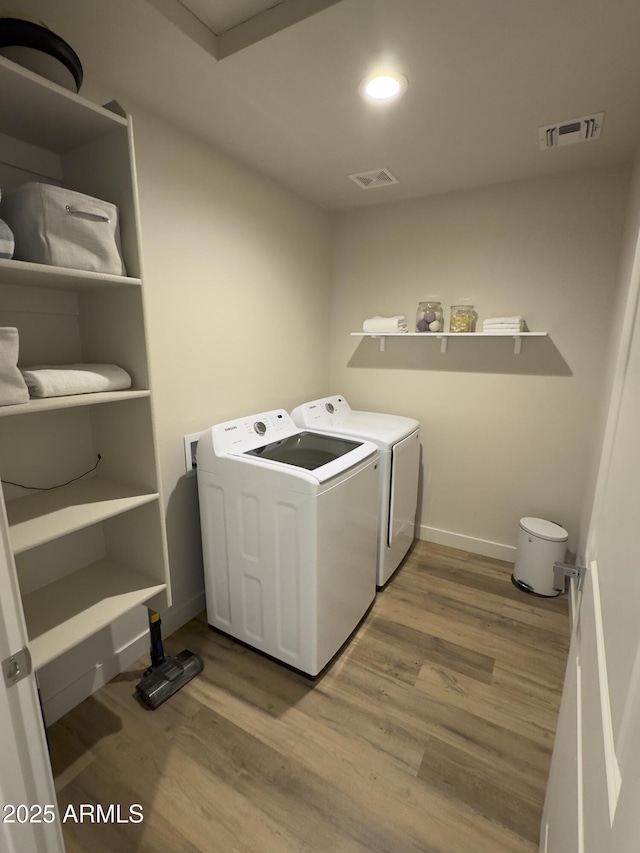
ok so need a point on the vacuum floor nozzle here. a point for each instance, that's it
(161, 681)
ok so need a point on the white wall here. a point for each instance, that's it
(504, 436)
(624, 313)
(236, 279)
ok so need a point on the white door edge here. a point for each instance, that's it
(612, 766)
(25, 771)
(579, 768)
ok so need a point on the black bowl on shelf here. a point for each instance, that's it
(36, 47)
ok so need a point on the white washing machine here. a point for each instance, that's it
(289, 532)
(398, 440)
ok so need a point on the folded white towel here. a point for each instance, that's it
(517, 319)
(502, 330)
(503, 327)
(389, 325)
(49, 380)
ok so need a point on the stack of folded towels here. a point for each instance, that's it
(62, 379)
(507, 325)
(385, 325)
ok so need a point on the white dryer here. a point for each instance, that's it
(398, 440)
(289, 521)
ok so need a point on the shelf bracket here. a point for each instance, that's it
(382, 340)
(517, 344)
(443, 344)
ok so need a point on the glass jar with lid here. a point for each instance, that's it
(463, 318)
(429, 317)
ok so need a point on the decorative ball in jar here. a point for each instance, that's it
(429, 317)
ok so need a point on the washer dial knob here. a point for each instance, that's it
(260, 427)
(330, 408)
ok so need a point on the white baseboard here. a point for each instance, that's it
(467, 543)
(57, 705)
(89, 682)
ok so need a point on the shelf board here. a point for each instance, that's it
(66, 612)
(449, 334)
(42, 113)
(36, 519)
(443, 337)
(48, 404)
(28, 274)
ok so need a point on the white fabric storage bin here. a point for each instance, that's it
(13, 388)
(7, 243)
(63, 228)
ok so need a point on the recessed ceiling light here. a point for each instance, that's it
(383, 87)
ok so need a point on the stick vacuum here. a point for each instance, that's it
(166, 675)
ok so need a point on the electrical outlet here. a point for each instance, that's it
(190, 447)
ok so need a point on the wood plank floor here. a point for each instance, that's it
(432, 732)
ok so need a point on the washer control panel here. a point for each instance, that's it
(253, 431)
(330, 411)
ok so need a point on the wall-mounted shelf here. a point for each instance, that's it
(66, 612)
(49, 404)
(44, 114)
(27, 274)
(443, 337)
(35, 519)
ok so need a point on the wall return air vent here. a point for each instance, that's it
(372, 180)
(570, 132)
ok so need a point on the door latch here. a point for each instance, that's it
(16, 667)
(561, 571)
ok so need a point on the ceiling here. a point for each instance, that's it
(283, 97)
(222, 15)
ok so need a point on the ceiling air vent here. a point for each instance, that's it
(570, 132)
(376, 178)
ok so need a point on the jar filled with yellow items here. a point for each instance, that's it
(463, 318)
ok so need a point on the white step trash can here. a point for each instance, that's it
(540, 544)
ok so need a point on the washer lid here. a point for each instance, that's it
(333, 414)
(272, 441)
(384, 430)
(310, 450)
(544, 529)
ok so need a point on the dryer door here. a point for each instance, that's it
(405, 466)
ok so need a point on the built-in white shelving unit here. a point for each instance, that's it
(90, 551)
(443, 337)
